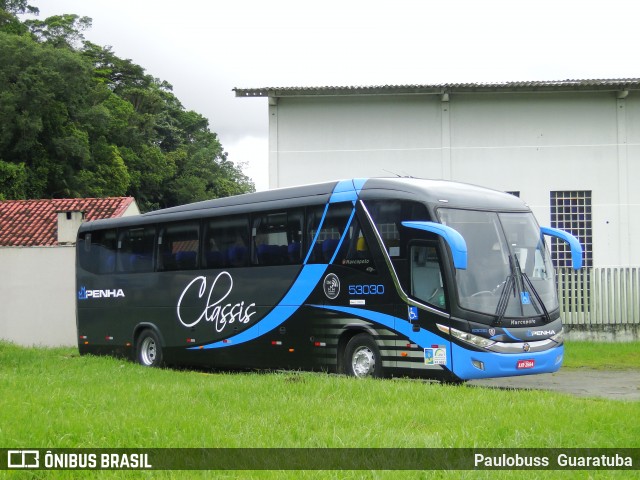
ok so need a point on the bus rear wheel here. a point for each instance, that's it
(149, 350)
(362, 357)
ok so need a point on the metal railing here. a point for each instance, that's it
(599, 296)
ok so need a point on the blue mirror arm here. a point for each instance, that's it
(453, 238)
(574, 243)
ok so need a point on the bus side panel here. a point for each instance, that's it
(187, 308)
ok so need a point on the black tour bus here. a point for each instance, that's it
(367, 277)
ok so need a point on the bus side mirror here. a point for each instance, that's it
(574, 243)
(453, 238)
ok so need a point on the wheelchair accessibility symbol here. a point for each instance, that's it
(413, 314)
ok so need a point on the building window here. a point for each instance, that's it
(571, 211)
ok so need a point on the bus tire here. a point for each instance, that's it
(149, 349)
(362, 357)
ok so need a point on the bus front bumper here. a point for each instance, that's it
(468, 365)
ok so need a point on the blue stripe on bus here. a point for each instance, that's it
(344, 234)
(315, 239)
(459, 359)
(309, 277)
(347, 190)
(511, 336)
(422, 338)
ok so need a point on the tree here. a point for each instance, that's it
(77, 120)
(13, 181)
(62, 31)
(43, 92)
(9, 11)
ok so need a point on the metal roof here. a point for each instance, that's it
(619, 84)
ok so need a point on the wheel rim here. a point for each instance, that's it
(363, 362)
(148, 351)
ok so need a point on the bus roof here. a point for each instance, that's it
(431, 192)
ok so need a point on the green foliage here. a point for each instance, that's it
(13, 180)
(9, 10)
(602, 356)
(53, 398)
(78, 121)
(59, 30)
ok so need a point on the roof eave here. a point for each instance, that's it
(608, 85)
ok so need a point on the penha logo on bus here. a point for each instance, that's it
(84, 294)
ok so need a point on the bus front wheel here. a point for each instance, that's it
(362, 357)
(149, 351)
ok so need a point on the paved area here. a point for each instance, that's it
(617, 385)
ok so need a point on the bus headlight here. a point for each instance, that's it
(558, 337)
(471, 339)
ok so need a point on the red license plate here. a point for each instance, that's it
(525, 364)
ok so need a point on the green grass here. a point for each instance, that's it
(54, 398)
(602, 356)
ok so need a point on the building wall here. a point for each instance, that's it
(38, 295)
(534, 143)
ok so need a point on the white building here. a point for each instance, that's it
(37, 263)
(571, 149)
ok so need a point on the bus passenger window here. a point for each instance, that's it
(388, 216)
(178, 247)
(135, 249)
(354, 252)
(277, 238)
(426, 276)
(97, 251)
(226, 242)
(326, 240)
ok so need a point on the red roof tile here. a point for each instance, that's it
(34, 222)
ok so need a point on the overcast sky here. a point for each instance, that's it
(206, 48)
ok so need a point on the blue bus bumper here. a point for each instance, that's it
(469, 365)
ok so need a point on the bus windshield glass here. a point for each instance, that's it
(509, 272)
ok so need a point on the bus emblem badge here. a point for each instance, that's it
(331, 286)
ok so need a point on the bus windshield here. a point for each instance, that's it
(509, 272)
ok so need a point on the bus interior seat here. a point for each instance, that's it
(139, 262)
(293, 252)
(329, 248)
(214, 259)
(272, 254)
(107, 263)
(237, 256)
(186, 259)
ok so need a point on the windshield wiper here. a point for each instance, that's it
(519, 280)
(504, 300)
(517, 271)
(537, 297)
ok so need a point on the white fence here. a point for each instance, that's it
(599, 296)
